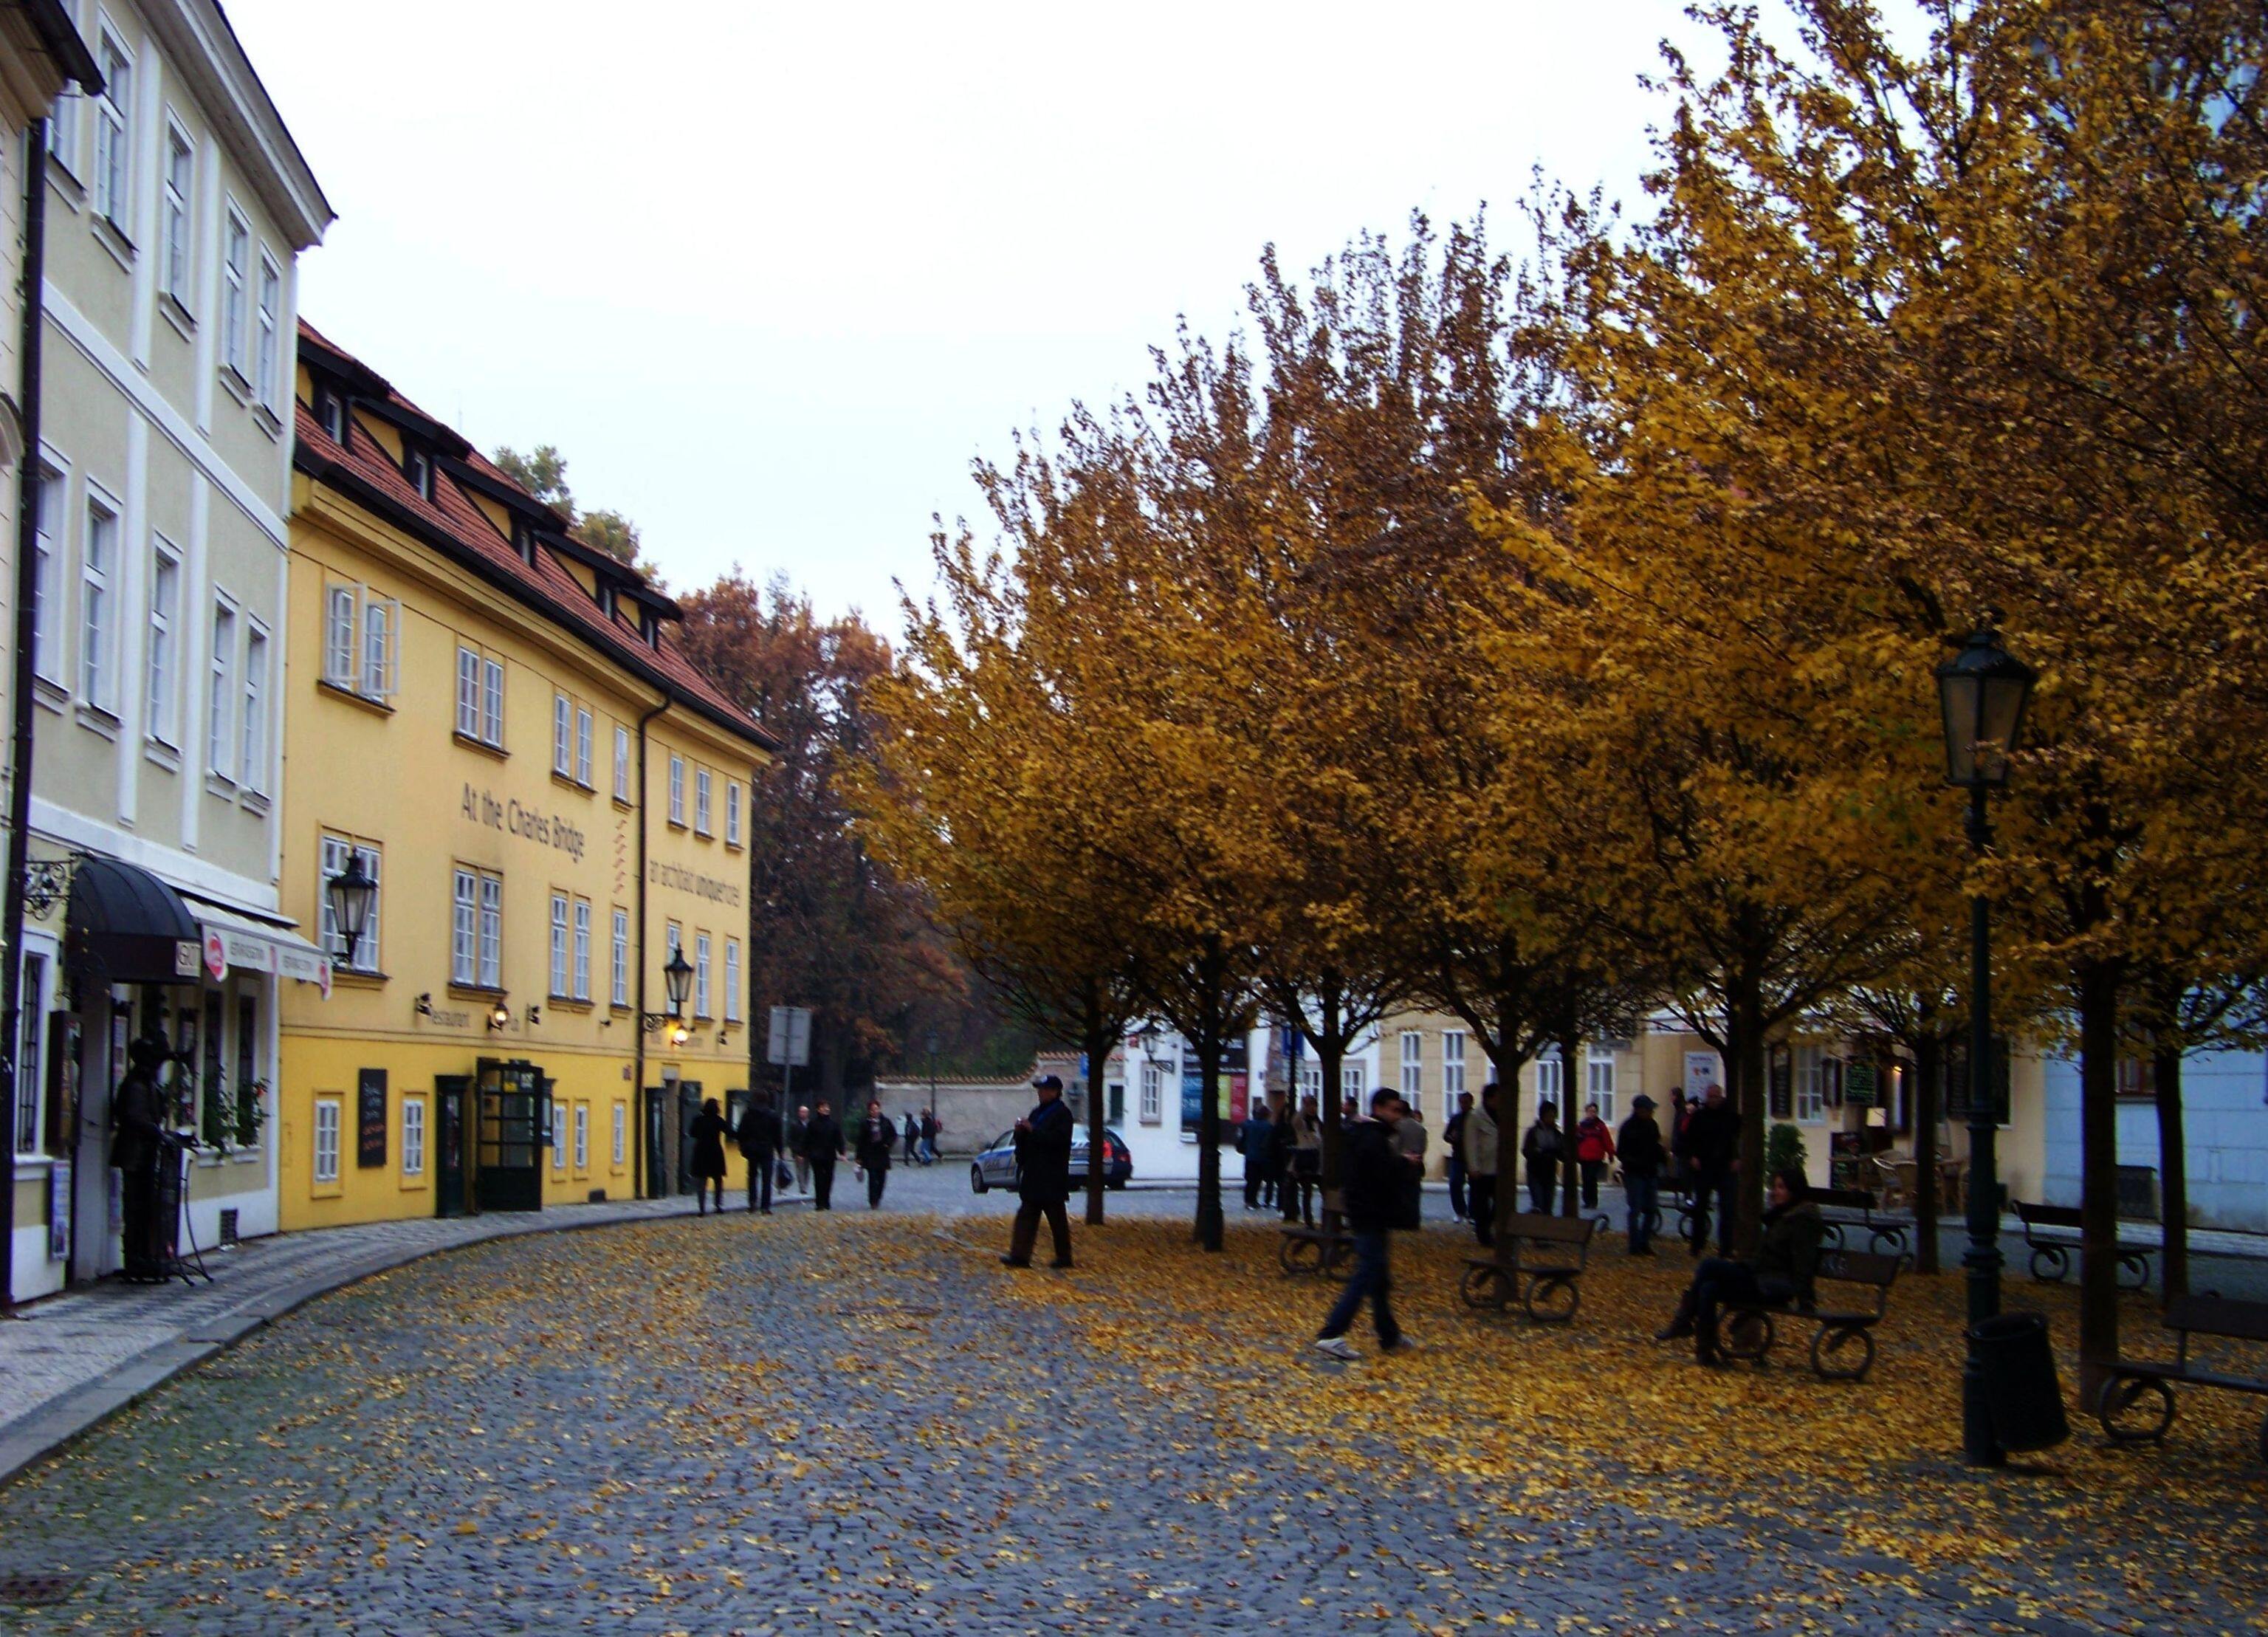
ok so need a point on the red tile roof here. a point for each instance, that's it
(455, 523)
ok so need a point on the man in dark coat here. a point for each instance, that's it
(1255, 1140)
(1043, 1140)
(822, 1146)
(1378, 1200)
(137, 1144)
(1638, 1142)
(1712, 1151)
(759, 1141)
(878, 1138)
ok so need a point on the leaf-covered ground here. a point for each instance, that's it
(862, 1423)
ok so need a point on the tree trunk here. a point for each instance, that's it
(1508, 1134)
(1570, 1199)
(1744, 1045)
(2098, 988)
(1929, 1076)
(2173, 1167)
(1096, 1040)
(1211, 969)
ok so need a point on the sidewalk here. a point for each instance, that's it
(71, 1360)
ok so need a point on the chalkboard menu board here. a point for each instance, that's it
(370, 1119)
(1861, 1082)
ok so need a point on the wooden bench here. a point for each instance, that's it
(2052, 1257)
(1885, 1235)
(1843, 1343)
(1547, 1255)
(2137, 1406)
(1313, 1250)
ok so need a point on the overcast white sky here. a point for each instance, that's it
(771, 275)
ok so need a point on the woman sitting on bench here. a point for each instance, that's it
(1786, 1263)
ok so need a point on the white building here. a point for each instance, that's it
(176, 208)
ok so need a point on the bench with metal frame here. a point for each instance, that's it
(1843, 1343)
(2136, 1404)
(1314, 1249)
(2052, 1257)
(1548, 1255)
(1886, 1235)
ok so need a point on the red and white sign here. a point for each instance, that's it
(216, 955)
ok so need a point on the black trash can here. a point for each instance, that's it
(2022, 1393)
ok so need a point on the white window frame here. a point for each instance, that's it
(1413, 1069)
(677, 790)
(30, 1055)
(114, 142)
(581, 962)
(732, 812)
(252, 736)
(479, 697)
(413, 1136)
(1599, 1081)
(332, 852)
(1311, 1081)
(619, 990)
(491, 930)
(381, 646)
(1808, 1074)
(563, 735)
(464, 928)
(558, 1136)
(175, 236)
(161, 702)
(622, 762)
(1150, 1098)
(731, 980)
(492, 702)
(583, 746)
(701, 995)
(220, 699)
(559, 912)
(97, 622)
(268, 359)
(47, 574)
(704, 787)
(582, 1137)
(326, 1144)
(1352, 1082)
(341, 633)
(622, 1125)
(235, 272)
(1453, 1066)
(62, 128)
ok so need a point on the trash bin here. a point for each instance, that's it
(2022, 1393)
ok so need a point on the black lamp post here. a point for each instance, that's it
(677, 977)
(1983, 691)
(352, 892)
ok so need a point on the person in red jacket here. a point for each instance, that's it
(1594, 1146)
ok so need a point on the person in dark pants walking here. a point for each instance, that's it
(913, 1140)
(1283, 1152)
(798, 1131)
(877, 1138)
(1044, 1139)
(1255, 1140)
(1540, 1149)
(822, 1146)
(1712, 1150)
(1381, 1197)
(708, 1135)
(1787, 1264)
(137, 1149)
(1640, 1142)
(759, 1140)
(1306, 1172)
(1452, 1137)
(1480, 1137)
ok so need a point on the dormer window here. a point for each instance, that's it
(419, 471)
(649, 627)
(331, 410)
(606, 598)
(523, 540)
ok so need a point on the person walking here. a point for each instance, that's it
(1376, 1189)
(1452, 1140)
(1595, 1145)
(759, 1142)
(1481, 1136)
(1787, 1264)
(709, 1155)
(1712, 1150)
(1255, 1140)
(137, 1148)
(1043, 1141)
(1307, 1172)
(1541, 1147)
(1282, 1156)
(876, 1142)
(1410, 1141)
(798, 1130)
(913, 1140)
(822, 1146)
(1639, 1143)
(929, 1130)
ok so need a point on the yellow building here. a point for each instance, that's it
(495, 721)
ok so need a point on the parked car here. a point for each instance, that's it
(996, 1166)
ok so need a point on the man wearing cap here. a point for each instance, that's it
(1638, 1142)
(1043, 1139)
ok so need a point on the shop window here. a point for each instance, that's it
(326, 1140)
(413, 1136)
(29, 1082)
(250, 1088)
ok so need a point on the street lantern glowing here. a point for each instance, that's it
(1983, 691)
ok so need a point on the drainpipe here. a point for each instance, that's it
(27, 591)
(637, 1050)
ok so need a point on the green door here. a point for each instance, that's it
(451, 1097)
(513, 1125)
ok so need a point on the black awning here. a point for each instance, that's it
(126, 927)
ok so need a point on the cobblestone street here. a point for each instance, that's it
(860, 1422)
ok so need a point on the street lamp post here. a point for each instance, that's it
(930, 1142)
(1982, 691)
